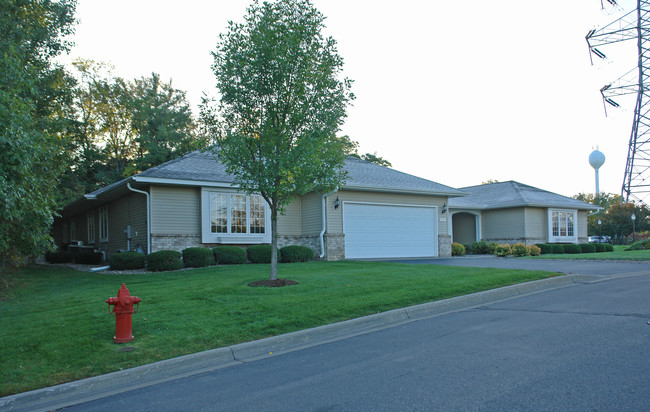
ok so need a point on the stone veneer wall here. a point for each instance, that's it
(312, 242)
(444, 245)
(334, 247)
(174, 242)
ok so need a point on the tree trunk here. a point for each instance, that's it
(274, 244)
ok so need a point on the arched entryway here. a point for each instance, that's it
(465, 227)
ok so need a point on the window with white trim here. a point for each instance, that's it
(91, 227)
(103, 223)
(234, 218)
(563, 225)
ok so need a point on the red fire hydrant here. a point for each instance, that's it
(123, 308)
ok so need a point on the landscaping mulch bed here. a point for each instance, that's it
(277, 283)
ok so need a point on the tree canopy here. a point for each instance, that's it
(282, 103)
(615, 218)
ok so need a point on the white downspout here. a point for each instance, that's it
(148, 215)
(322, 233)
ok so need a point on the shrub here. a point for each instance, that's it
(295, 253)
(89, 258)
(587, 248)
(544, 248)
(164, 260)
(457, 249)
(229, 255)
(639, 245)
(534, 250)
(520, 249)
(60, 256)
(502, 250)
(600, 247)
(483, 248)
(608, 247)
(197, 257)
(572, 248)
(558, 249)
(126, 261)
(259, 253)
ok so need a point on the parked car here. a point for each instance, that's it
(600, 239)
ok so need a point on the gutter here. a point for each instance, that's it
(148, 215)
(322, 233)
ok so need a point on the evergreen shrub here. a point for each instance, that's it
(164, 260)
(197, 257)
(587, 248)
(229, 255)
(296, 253)
(60, 256)
(457, 249)
(259, 254)
(608, 247)
(127, 261)
(520, 249)
(558, 249)
(544, 248)
(572, 248)
(600, 247)
(89, 258)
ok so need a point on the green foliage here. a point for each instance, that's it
(259, 254)
(229, 255)
(608, 247)
(457, 249)
(600, 247)
(198, 257)
(371, 157)
(571, 248)
(615, 219)
(127, 261)
(639, 245)
(534, 250)
(482, 248)
(587, 248)
(34, 93)
(520, 249)
(88, 258)
(502, 250)
(295, 253)
(281, 105)
(164, 260)
(558, 249)
(544, 248)
(59, 256)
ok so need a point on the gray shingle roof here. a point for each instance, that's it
(513, 194)
(362, 175)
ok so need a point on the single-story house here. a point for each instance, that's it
(511, 212)
(193, 201)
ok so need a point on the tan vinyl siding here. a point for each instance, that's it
(582, 224)
(289, 224)
(535, 219)
(503, 224)
(175, 210)
(127, 210)
(312, 210)
(335, 216)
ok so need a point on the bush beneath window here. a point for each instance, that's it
(534, 250)
(572, 248)
(229, 255)
(544, 248)
(587, 248)
(197, 257)
(482, 248)
(558, 249)
(457, 249)
(296, 253)
(520, 249)
(164, 260)
(89, 258)
(60, 256)
(126, 261)
(502, 250)
(260, 254)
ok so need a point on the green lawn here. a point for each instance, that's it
(619, 253)
(56, 326)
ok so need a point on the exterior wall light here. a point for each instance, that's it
(337, 203)
(444, 208)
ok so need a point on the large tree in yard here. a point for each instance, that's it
(282, 103)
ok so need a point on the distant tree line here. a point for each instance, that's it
(615, 218)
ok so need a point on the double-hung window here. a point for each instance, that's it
(562, 225)
(234, 218)
(103, 223)
(91, 227)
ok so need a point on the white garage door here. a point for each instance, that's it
(378, 231)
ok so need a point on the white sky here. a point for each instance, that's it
(455, 92)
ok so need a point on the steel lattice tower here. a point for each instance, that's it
(633, 25)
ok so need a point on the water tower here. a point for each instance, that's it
(596, 159)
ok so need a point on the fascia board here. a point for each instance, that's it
(183, 182)
(402, 191)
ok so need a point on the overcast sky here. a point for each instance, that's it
(455, 92)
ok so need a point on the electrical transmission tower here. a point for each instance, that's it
(634, 25)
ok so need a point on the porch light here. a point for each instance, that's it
(337, 203)
(444, 208)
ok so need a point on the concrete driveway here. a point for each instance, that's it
(583, 267)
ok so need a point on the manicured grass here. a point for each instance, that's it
(619, 253)
(56, 326)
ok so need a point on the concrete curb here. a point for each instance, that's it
(97, 387)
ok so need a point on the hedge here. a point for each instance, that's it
(572, 248)
(608, 247)
(587, 248)
(544, 248)
(127, 261)
(89, 258)
(295, 253)
(558, 249)
(60, 256)
(457, 249)
(164, 260)
(260, 254)
(600, 247)
(229, 255)
(197, 257)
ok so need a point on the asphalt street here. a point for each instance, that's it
(580, 347)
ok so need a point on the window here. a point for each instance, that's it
(103, 223)
(91, 227)
(73, 231)
(234, 218)
(563, 225)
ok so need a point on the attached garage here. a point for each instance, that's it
(387, 231)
